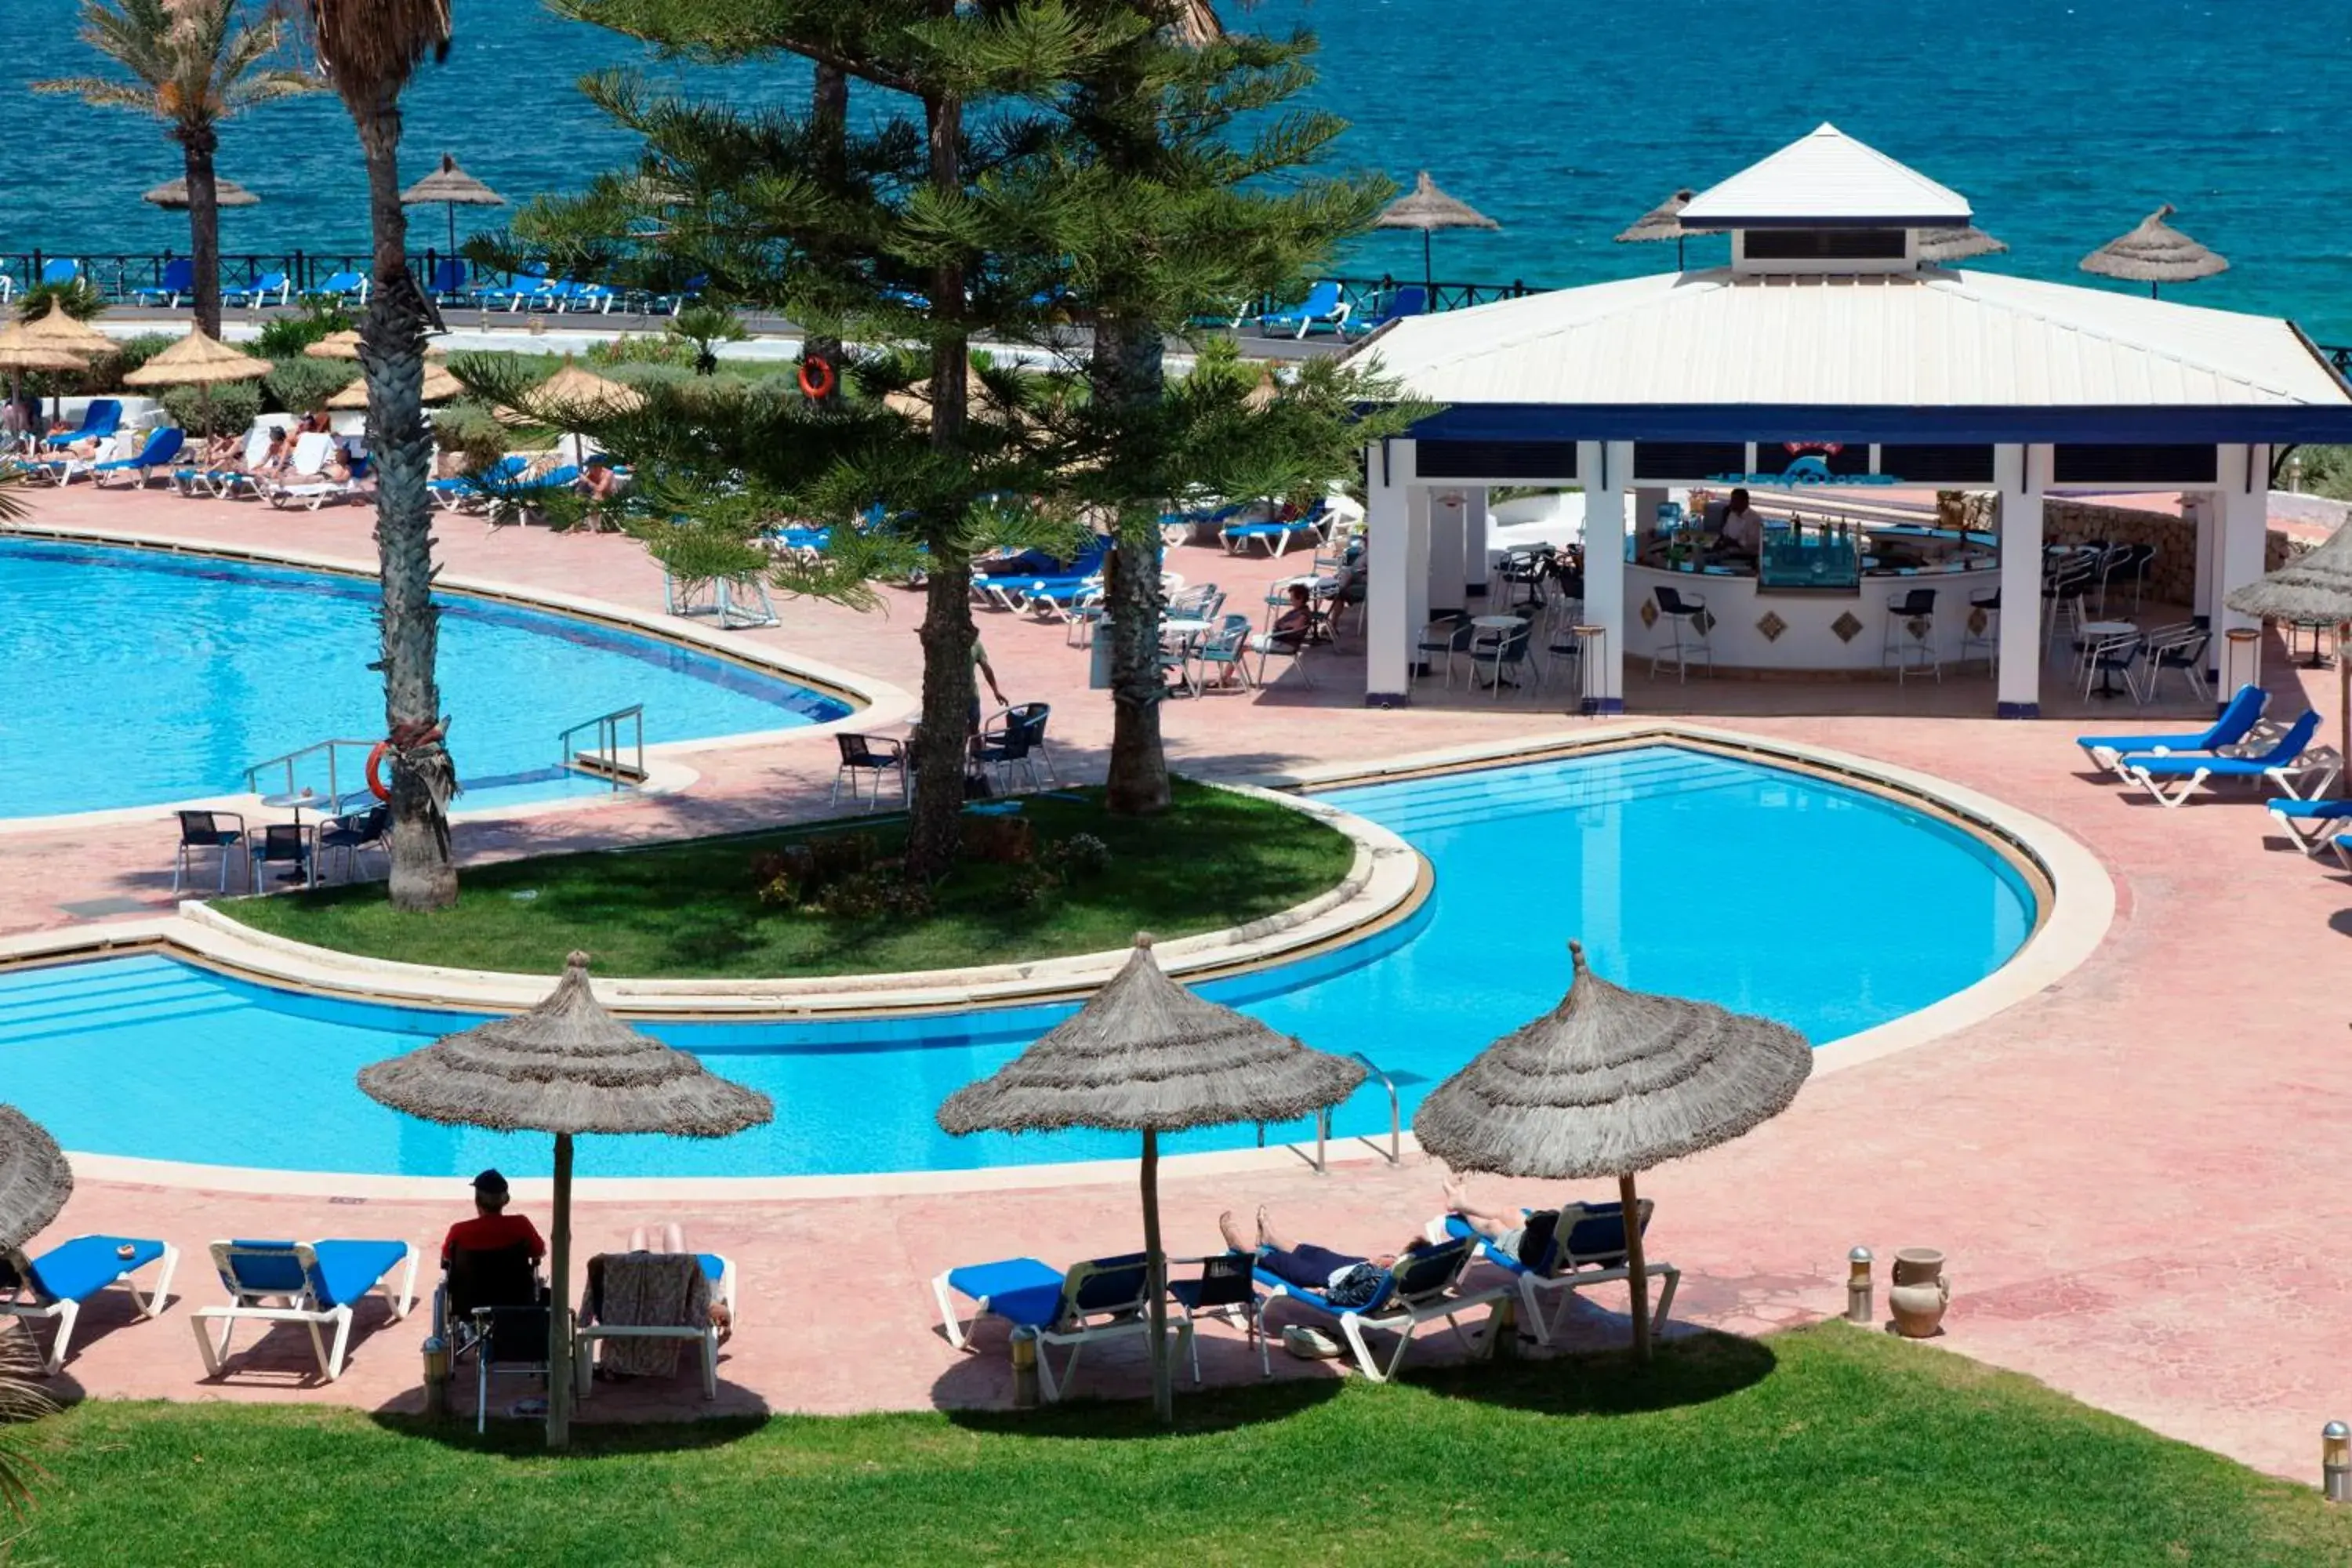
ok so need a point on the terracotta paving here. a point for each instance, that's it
(2132, 1172)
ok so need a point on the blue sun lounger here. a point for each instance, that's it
(2234, 723)
(1275, 534)
(2314, 824)
(99, 419)
(161, 448)
(2293, 765)
(1420, 1289)
(1323, 307)
(317, 1284)
(59, 1281)
(1102, 1298)
(1592, 1252)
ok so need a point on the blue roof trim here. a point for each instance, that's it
(1831, 422)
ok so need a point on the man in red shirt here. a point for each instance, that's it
(491, 1225)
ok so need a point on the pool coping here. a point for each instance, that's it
(2081, 910)
(874, 702)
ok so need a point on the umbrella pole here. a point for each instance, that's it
(1428, 274)
(1630, 1209)
(1163, 1395)
(452, 208)
(559, 1317)
(2343, 710)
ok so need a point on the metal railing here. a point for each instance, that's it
(1393, 1153)
(603, 761)
(291, 762)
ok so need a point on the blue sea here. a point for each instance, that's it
(1564, 119)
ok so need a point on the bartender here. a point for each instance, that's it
(1743, 525)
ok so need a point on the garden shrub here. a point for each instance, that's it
(302, 385)
(227, 409)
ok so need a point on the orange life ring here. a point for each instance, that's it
(376, 771)
(820, 385)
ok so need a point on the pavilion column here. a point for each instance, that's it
(2018, 473)
(2244, 543)
(1473, 543)
(1416, 580)
(2206, 506)
(1387, 637)
(1604, 467)
(1447, 543)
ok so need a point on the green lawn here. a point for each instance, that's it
(1830, 1446)
(689, 909)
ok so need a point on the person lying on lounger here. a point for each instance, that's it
(1505, 1230)
(1342, 1279)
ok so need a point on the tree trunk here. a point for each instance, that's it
(560, 1373)
(1155, 1274)
(948, 680)
(1638, 1269)
(1126, 370)
(400, 447)
(829, 118)
(197, 146)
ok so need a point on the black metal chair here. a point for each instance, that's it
(508, 1341)
(480, 1278)
(1501, 648)
(1989, 639)
(350, 835)
(1226, 1288)
(870, 754)
(204, 831)
(283, 844)
(1011, 741)
(1444, 638)
(1911, 630)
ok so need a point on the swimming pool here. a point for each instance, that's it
(137, 678)
(1764, 889)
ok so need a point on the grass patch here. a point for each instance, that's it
(689, 910)
(1825, 1446)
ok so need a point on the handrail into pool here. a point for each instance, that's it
(1393, 1154)
(604, 762)
(334, 789)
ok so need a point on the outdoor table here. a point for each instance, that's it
(2100, 631)
(1503, 624)
(296, 800)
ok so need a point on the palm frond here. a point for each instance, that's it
(373, 47)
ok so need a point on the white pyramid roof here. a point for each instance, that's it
(1827, 177)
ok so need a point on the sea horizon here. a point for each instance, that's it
(1564, 122)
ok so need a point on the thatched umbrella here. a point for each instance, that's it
(566, 1067)
(202, 361)
(452, 187)
(440, 387)
(55, 328)
(35, 1180)
(1610, 1083)
(20, 355)
(1663, 222)
(1941, 245)
(2154, 253)
(2314, 587)
(1428, 210)
(335, 345)
(1147, 1056)
(172, 195)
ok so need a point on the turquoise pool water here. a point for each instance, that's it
(137, 678)
(1765, 890)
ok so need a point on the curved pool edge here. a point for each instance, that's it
(2080, 911)
(873, 701)
(1385, 883)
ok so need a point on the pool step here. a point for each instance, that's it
(1459, 800)
(84, 998)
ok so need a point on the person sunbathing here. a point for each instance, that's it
(224, 453)
(1505, 1230)
(1342, 1279)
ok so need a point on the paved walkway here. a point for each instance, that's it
(2133, 1173)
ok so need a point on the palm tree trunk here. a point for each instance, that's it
(935, 833)
(1126, 370)
(400, 446)
(197, 145)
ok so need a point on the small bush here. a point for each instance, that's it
(649, 350)
(302, 385)
(132, 354)
(1000, 840)
(286, 336)
(230, 409)
(472, 432)
(1082, 854)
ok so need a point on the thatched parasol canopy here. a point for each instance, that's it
(2154, 253)
(1662, 223)
(1146, 1054)
(2313, 588)
(1609, 1083)
(197, 360)
(174, 193)
(35, 1180)
(440, 387)
(571, 389)
(451, 187)
(19, 353)
(335, 345)
(1428, 210)
(566, 1067)
(1942, 245)
(54, 329)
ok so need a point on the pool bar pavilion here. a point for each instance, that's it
(1827, 365)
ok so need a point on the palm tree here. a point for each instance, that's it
(369, 50)
(192, 64)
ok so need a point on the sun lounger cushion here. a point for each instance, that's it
(347, 1269)
(87, 1265)
(1021, 1290)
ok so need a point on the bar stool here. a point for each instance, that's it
(1686, 633)
(1989, 606)
(1911, 630)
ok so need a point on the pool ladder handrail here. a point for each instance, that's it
(288, 761)
(1393, 1153)
(605, 763)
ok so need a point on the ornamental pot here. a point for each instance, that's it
(1920, 1292)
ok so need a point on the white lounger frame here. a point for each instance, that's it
(68, 1312)
(1076, 1338)
(583, 1343)
(1393, 1318)
(1534, 1288)
(249, 1307)
(2307, 777)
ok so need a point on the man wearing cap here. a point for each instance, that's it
(491, 1226)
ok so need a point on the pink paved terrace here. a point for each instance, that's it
(2132, 1172)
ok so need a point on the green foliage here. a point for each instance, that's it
(78, 296)
(702, 327)
(2327, 471)
(638, 349)
(227, 409)
(286, 335)
(130, 354)
(470, 430)
(302, 385)
(691, 908)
